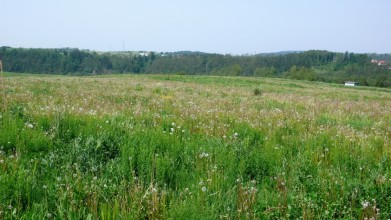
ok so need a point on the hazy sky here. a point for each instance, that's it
(219, 26)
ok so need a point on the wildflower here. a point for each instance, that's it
(203, 154)
(365, 204)
(29, 125)
(203, 189)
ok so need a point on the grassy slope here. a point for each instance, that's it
(175, 147)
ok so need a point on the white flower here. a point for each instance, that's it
(203, 154)
(29, 125)
(203, 189)
(365, 204)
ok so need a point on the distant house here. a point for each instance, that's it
(349, 83)
(381, 63)
(144, 54)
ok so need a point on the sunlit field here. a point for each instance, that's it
(192, 147)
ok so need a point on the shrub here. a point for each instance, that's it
(257, 91)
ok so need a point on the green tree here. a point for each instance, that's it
(265, 72)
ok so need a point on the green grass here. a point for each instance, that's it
(192, 147)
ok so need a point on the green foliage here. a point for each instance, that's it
(301, 73)
(257, 91)
(310, 65)
(265, 72)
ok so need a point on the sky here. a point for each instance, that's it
(215, 26)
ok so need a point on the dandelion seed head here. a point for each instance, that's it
(29, 125)
(365, 204)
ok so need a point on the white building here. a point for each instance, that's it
(349, 83)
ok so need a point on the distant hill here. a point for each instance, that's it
(313, 65)
(281, 53)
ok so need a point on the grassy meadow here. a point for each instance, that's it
(192, 147)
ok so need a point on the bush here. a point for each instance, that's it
(257, 91)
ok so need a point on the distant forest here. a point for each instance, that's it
(312, 65)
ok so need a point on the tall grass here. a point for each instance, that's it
(143, 147)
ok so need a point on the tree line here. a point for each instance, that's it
(311, 65)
